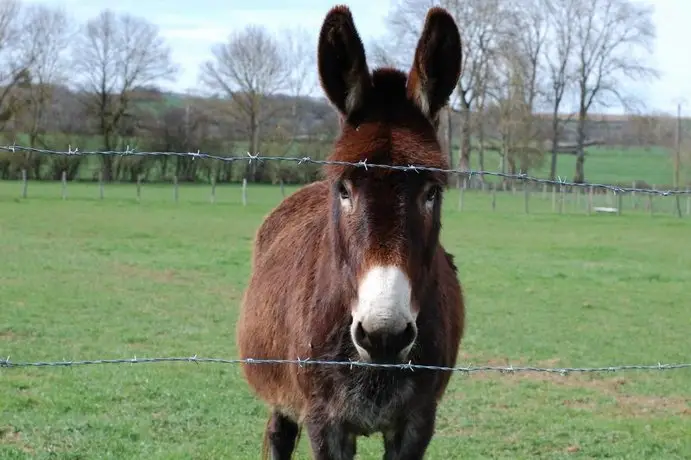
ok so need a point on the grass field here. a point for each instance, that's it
(84, 278)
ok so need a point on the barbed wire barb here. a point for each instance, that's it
(302, 362)
(562, 182)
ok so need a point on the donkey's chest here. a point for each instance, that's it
(371, 410)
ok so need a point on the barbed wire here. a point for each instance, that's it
(6, 363)
(362, 164)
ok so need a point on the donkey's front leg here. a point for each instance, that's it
(411, 437)
(330, 440)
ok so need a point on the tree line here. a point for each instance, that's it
(526, 62)
(96, 85)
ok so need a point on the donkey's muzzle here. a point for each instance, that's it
(386, 346)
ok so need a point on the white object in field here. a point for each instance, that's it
(605, 209)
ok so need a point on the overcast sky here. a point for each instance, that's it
(192, 26)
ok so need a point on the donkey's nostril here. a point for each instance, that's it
(408, 335)
(361, 337)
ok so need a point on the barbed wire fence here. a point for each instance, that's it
(561, 185)
(470, 369)
(584, 192)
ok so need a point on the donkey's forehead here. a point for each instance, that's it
(387, 144)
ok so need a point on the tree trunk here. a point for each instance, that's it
(449, 135)
(107, 160)
(481, 149)
(464, 157)
(579, 176)
(254, 167)
(555, 145)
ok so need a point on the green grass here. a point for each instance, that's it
(608, 165)
(84, 278)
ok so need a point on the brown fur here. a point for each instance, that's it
(308, 256)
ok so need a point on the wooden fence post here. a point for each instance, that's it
(494, 197)
(175, 188)
(461, 191)
(64, 185)
(25, 184)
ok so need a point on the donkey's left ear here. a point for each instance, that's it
(437, 64)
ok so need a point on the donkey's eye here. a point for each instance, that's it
(432, 194)
(343, 191)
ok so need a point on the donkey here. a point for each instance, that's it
(351, 267)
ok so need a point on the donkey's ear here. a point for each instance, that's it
(342, 64)
(437, 64)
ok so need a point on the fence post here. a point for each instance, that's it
(590, 200)
(139, 188)
(525, 195)
(64, 185)
(283, 190)
(175, 188)
(619, 203)
(678, 202)
(554, 198)
(100, 184)
(244, 191)
(650, 203)
(562, 196)
(633, 195)
(688, 202)
(494, 197)
(25, 184)
(461, 191)
(213, 188)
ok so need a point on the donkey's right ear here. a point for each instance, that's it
(341, 61)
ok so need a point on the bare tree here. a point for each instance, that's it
(612, 39)
(112, 56)
(559, 62)
(298, 56)
(483, 100)
(296, 46)
(512, 109)
(248, 69)
(512, 80)
(17, 54)
(50, 32)
(482, 23)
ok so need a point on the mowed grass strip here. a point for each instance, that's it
(83, 278)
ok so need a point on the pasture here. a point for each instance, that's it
(83, 278)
